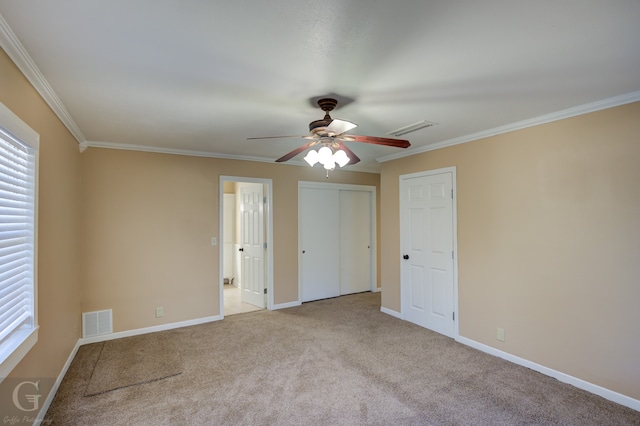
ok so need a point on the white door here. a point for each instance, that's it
(355, 241)
(426, 229)
(229, 236)
(252, 244)
(319, 243)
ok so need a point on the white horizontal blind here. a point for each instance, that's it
(17, 203)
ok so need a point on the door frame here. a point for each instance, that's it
(374, 239)
(268, 218)
(454, 214)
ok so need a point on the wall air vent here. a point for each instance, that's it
(411, 128)
(97, 323)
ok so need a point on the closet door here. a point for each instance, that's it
(355, 241)
(319, 243)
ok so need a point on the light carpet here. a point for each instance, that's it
(331, 362)
(134, 361)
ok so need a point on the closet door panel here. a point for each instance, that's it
(355, 241)
(319, 243)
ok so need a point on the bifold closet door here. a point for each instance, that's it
(355, 241)
(320, 243)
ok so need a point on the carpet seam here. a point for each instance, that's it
(94, 369)
(133, 384)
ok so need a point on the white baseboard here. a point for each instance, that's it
(286, 305)
(391, 312)
(138, 331)
(377, 290)
(56, 385)
(563, 377)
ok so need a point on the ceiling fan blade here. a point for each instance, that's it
(353, 158)
(338, 127)
(295, 152)
(398, 143)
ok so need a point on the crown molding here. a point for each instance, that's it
(518, 125)
(190, 153)
(147, 148)
(18, 54)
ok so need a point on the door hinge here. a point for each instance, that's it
(454, 316)
(451, 254)
(265, 290)
(264, 245)
(452, 194)
(264, 200)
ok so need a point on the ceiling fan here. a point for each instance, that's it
(329, 133)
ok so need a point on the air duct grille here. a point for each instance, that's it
(411, 128)
(97, 323)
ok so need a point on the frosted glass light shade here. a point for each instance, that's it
(324, 154)
(312, 157)
(340, 157)
(330, 164)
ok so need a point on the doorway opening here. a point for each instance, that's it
(246, 248)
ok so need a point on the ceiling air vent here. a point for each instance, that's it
(411, 128)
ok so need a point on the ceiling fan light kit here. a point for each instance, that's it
(327, 158)
(330, 134)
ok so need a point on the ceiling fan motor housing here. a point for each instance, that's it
(325, 104)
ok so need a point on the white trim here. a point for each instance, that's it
(454, 214)
(269, 235)
(146, 330)
(147, 148)
(329, 185)
(52, 393)
(16, 352)
(563, 377)
(374, 226)
(518, 125)
(391, 312)
(286, 305)
(18, 54)
(21, 130)
(377, 290)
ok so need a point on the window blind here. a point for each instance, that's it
(17, 206)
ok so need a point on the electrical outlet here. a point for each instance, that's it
(159, 312)
(500, 334)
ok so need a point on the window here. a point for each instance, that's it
(18, 207)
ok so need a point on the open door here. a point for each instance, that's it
(256, 245)
(252, 282)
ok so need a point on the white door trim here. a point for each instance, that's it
(268, 214)
(425, 173)
(374, 240)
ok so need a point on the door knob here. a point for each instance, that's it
(240, 249)
(304, 251)
(405, 257)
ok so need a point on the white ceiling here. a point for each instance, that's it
(202, 76)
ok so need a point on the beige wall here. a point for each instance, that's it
(58, 251)
(229, 187)
(147, 221)
(548, 242)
